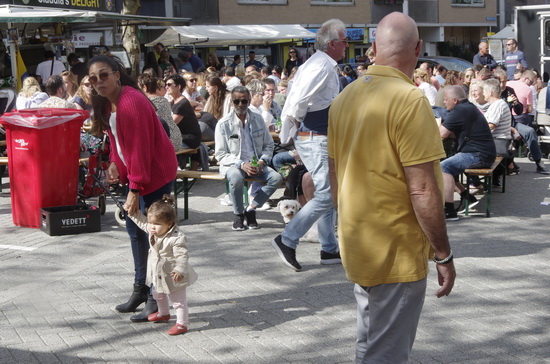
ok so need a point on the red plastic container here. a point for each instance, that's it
(43, 151)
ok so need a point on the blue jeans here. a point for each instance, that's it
(282, 158)
(456, 164)
(314, 154)
(235, 177)
(530, 137)
(139, 239)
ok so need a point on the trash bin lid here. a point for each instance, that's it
(41, 118)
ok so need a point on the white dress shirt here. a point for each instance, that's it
(314, 87)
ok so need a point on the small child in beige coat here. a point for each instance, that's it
(168, 270)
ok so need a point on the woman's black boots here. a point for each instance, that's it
(137, 298)
(150, 307)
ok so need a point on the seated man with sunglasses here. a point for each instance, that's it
(243, 138)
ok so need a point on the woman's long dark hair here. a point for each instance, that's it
(214, 105)
(100, 104)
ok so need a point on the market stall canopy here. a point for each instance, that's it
(33, 14)
(231, 34)
(508, 32)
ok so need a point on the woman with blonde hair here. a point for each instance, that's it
(31, 94)
(84, 95)
(422, 79)
(71, 83)
(191, 92)
(212, 60)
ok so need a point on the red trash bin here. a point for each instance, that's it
(43, 151)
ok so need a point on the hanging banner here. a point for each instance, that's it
(97, 5)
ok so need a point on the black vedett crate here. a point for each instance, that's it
(74, 219)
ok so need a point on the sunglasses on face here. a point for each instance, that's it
(193, 80)
(292, 52)
(103, 76)
(240, 101)
(170, 84)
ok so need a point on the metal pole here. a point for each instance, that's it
(13, 56)
(406, 7)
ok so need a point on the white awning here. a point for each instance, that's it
(231, 34)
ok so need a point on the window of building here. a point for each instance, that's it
(266, 2)
(478, 3)
(332, 2)
(388, 2)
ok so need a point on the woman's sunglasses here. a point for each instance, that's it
(103, 76)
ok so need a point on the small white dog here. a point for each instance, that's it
(289, 209)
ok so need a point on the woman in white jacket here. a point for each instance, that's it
(168, 269)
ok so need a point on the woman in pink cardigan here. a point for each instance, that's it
(142, 156)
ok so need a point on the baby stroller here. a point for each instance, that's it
(93, 180)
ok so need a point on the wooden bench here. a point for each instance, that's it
(486, 175)
(186, 179)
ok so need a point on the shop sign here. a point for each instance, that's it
(97, 5)
(83, 40)
(355, 34)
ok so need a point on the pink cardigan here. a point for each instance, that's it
(150, 159)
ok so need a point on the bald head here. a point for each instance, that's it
(483, 48)
(397, 43)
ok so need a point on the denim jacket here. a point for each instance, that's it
(229, 140)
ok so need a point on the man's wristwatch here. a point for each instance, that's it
(134, 190)
(444, 260)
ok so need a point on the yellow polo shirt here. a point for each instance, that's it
(378, 125)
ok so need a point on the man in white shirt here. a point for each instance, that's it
(49, 67)
(231, 81)
(315, 85)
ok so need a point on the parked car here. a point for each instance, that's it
(450, 63)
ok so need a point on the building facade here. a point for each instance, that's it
(457, 23)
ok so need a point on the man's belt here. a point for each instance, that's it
(309, 133)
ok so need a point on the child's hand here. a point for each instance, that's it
(176, 277)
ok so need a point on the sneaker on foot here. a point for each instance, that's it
(451, 215)
(251, 219)
(177, 329)
(330, 258)
(238, 223)
(226, 200)
(288, 255)
(542, 169)
(264, 207)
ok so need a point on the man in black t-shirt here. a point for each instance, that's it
(476, 147)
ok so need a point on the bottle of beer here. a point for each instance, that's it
(278, 124)
(254, 162)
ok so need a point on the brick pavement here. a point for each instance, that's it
(58, 301)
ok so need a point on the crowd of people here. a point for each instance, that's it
(385, 235)
(483, 110)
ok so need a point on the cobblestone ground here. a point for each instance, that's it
(59, 293)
